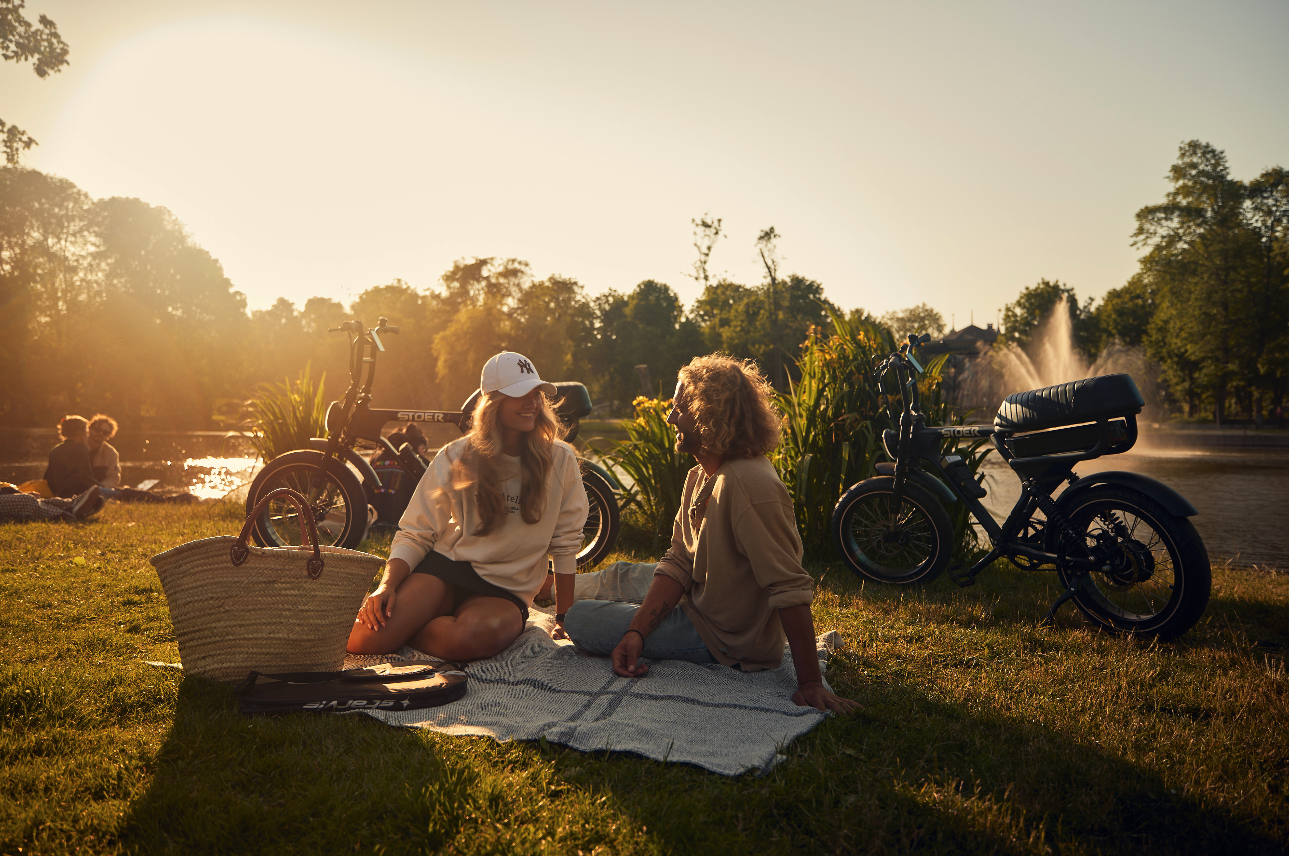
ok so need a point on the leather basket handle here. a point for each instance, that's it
(239, 552)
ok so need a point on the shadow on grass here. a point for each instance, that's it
(223, 782)
(916, 773)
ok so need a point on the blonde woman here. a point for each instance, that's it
(471, 549)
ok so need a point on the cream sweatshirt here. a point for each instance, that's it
(513, 555)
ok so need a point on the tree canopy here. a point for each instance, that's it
(39, 44)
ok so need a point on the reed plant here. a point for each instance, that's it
(834, 416)
(654, 471)
(286, 415)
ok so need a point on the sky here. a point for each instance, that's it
(924, 152)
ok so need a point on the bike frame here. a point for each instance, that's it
(352, 419)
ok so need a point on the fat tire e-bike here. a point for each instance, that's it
(1122, 544)
(340, 484)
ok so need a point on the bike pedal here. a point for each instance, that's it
(961, 575)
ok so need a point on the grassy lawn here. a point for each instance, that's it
(981, 732)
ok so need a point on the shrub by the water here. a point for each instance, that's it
(287, 415)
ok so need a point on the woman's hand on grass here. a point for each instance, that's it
(378, 607)
(814, 694)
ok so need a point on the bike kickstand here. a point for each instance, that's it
(1077, 584)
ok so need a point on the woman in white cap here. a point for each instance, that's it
(470, 553)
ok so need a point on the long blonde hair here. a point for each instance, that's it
(480, 463)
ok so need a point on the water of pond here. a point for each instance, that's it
(1242, 496)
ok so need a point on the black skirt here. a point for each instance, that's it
(464, 580)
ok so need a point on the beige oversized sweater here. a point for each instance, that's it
(513, 555)
(736, 550)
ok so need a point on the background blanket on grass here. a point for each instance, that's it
(715, 717)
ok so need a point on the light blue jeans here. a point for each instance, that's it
(607, 600)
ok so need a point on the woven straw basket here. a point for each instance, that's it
(237, 608)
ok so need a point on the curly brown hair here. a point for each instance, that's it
(732, 404)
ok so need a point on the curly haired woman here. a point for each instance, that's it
(471, 549)
(734, 567)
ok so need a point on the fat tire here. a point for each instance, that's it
(1177, 547)
(294, 470)
(603, 521)
(920, 515)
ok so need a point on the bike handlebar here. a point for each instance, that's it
(357, 327)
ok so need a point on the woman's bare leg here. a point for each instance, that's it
(421, 598)
(482, 627)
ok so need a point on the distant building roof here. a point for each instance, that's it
(973, 333)
(964, 341)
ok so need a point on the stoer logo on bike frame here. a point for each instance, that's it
(427, 416)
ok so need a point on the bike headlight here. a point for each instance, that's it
(334, 412)
(890, 442)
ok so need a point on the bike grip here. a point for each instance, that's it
(389, 328)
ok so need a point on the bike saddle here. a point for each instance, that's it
(1086, 400)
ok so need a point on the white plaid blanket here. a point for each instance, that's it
(714, 717)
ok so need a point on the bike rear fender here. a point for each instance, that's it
(364, 467)
(1172, 501)
(937, 488)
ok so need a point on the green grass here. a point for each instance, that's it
(981, 732)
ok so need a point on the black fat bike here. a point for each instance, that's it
(1121, 543)
(340, 484)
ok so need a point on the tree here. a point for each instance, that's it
(20, 41)
(1023, 318)
(1199, 247)
(707, 231)
(922, 318)
(47, 278)
(1126, 312)
(172, 329)
(649, 327)
(767, 249)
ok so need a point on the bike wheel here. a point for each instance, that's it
(339, 507)
(600, 534)
(890, 541)
(1159, 578)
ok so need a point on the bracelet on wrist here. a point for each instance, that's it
(633, 630)
(559, 617)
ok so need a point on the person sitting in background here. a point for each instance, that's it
(734, 567)
(16, 505)
(69, 472)
(105, 462)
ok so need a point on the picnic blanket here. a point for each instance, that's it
(717, 718)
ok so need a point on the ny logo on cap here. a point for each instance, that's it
(526, 367)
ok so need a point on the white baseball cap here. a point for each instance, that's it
(512, 374)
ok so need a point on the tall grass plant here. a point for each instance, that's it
(286, 415)
(649, 465)
(834, 416)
